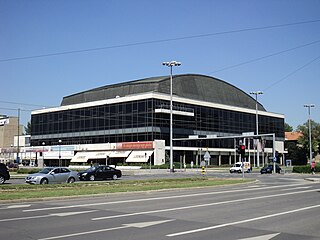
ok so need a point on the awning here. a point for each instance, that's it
(139, 156)
(80, 157)
(85, 156)
(119, 154)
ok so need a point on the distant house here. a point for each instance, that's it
(293, 136)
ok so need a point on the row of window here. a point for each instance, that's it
(141, 114)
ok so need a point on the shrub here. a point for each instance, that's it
(27, 170)
(305, 169)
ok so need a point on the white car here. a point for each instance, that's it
(237, 167)
(53, 175)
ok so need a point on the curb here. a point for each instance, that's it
(312, 179)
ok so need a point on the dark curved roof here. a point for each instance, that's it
(192, 86)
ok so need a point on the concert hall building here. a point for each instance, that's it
(136, 114)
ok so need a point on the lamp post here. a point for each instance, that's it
(18, 143)
(43, 144)
(309, 106)
(60, 152)
(171, 64)
(257, 122)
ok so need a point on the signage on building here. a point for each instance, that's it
(62, 148)
(135, 145)
(4, 121)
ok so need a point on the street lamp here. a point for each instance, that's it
(171, 64)
(43, 144)
(60, 152)
(257, 122)
(309, 106)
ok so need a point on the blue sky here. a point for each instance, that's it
(131, 34)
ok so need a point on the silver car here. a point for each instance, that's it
(53, 175)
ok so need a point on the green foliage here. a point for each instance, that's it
(305, 169)
(27, 170)
(287, 127)
(27, 129)
(297, 154)
(315, 134)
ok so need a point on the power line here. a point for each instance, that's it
(158, 41)
(16, 109)
(292, 73)
(264, 57)
(24, 104)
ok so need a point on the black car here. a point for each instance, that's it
(269, 169)
(100, 173)
(4, 173)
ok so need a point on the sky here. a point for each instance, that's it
(52, 49)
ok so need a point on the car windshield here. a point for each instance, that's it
(45, 170)
(91, 169)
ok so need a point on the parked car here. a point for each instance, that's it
(100, 173)
(53, 175)
(237, 167)
(4, 173)
(269, 169)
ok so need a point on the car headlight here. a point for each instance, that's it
(31, 177)
(84, 174)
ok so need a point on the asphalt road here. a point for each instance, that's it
(274, 207)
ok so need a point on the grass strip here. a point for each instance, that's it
(22, 192)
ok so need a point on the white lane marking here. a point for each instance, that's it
(23, 218)
(46, 216)
(19, 206)
(147, 224)
(262, 237)
(15, 206)
(202, 205)
(66, 214)
(242, 221)
(160, 198)
(135, 225)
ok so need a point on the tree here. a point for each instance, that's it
(27, 129)
(287, 127)
(296, 153)
(315, 136)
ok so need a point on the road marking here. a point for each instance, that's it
(242, 221)
(66, 214)
(160, 198)
(262, 237)
(135, 225)
(45, 216)
(15, 206)
(23, 218)
(202, 205)
(19, 206)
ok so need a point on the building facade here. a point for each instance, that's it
(138, 111)
(9, 128)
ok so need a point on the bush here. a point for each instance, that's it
(305, 169)
(27, 170)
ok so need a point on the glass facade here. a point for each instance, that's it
(139, 121)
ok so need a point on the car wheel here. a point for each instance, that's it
(114, 177)
(44, 181)
(2, 180)
(92, 178)
(71, 180)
